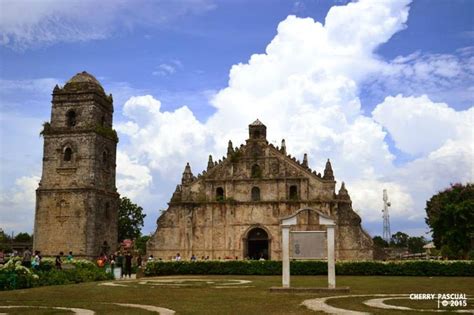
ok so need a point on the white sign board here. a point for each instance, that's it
(308, 245)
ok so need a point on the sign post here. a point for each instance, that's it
(308, 245)
(331, 258)
(285, 231)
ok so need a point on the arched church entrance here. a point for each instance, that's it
(258, 244)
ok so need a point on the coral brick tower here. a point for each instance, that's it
(77, 200)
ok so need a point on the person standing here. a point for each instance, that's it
(37, 260)
(26, 261)
(58, 262)
(128, 264)
(139, 261)
(112, 260)
(120, 263)
(69, 257)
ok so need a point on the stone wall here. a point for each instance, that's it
(219, 230)
(213, 213)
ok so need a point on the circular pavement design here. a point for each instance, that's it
(83, 311)
(151, 308)
(380, 303)
(319, 304)
(79, 311)
(184, 282)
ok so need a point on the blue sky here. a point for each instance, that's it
(384, 89)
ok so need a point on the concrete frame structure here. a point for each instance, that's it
(286, 224)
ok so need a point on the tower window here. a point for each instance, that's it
(219, 194)
(67, 154)
(255, 194)
(105, 158)
(71, 118)
(107, 210)
(293, 192)
(102, 121)
(256, 171)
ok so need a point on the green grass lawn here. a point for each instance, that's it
(204, 298)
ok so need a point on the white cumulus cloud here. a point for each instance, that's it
(305, 88)
(18, 204)
(420, 126)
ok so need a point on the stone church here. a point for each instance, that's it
(77, 201)
(233, 209)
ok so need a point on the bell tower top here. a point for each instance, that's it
(257, 131)
(81, 103)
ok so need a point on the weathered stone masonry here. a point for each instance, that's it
(77, 201)
(234, 208)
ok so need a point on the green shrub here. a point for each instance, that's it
(353, 268)
(15, 276)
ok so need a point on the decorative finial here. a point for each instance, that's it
(177, 194)
(187, 175)
(230, 148)
(305, 160)
(343, 194)
(210, 163)
(283, 146)
(328, 173)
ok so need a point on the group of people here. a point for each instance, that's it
(58, 262)
(119, 260)
(30, 260)
(193, 257)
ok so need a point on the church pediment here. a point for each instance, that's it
(257, 161)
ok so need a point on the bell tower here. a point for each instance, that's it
(77, 200)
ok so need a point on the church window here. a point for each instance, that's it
(219, 194)
(293, 192)
(255, 194)
(67, 154)
(71, 118)
(256, 171)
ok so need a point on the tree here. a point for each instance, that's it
(4, 237)
(399, 239)
(140, 244)
(5, 241)
(380, 242)
(450, 216)
(415, 244)
(23, 237)
(130, 220)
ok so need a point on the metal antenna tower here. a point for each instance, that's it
(386, 218)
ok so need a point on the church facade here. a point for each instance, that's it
(233, 209)
(77, 200)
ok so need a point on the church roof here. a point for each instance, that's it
(84, 79)
(257, 123)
